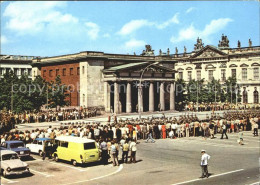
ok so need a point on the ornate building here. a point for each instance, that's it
(222, 62)
(112, 81)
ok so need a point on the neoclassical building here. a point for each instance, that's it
(112, 81)
(222, 62)
(18, 64)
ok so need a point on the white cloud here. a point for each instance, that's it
(133, 26)
(106, 35)
(190, 9)
(4, 40)
(190, 33)
(174, 19)
(133, 44)
(93, 30)
(32, 17)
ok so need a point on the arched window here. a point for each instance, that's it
(256, 96)
(245, 99)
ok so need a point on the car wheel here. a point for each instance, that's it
(40, 153)
(4, 173)
(56, 158)
(74, 162)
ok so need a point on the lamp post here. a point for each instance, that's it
(197, 96)
(140, 88)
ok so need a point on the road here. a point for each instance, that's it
(165, 162)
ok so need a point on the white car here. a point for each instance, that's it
(11, 163)
(39, 145)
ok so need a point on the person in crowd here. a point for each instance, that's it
(204, 164)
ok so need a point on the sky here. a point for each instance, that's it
(51, 28)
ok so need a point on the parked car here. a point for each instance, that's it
(11, 164)
(40, 145)
(76, 150)
(18, 147)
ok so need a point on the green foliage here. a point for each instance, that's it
(57, 93)
(231, 90)
(23, 94)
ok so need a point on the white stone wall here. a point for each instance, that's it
(91, 83)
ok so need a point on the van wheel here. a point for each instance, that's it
(56, 158)
(74, 162)
(40, 153)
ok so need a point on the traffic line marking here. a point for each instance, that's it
(185, 182)
(256, 183)
(9, 181)
(96, 178)
(69, 166)
(42, 173)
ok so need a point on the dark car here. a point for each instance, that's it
(18, 147)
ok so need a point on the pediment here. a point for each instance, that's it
(209, 52)
(139, 67)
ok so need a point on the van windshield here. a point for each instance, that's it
(16, 145)
(88, 146)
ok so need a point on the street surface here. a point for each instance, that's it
(165, 162)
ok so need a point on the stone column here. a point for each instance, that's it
(151, 97)
(128, 98)
(162, 101)
(172, 96)
(107, 96)
(116, 98)
(140, 99)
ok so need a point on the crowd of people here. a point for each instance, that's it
(8, 119)
(124, 134)
(219, 106)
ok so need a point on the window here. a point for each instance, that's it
(256, 96)
(189, 75)
(83, 69)
(22, 71)
(64, 144)
(64, 72)
(223, 74)
(71, 71)
(245, 96)
(44, 73)
(181, 75)
(1, 71)
(210, 75)
(29, 72)
(198, 75)
(244, 74)
(88, 146)
(57, 72)
(77, 70)
(7, 70)
(16, 71)
(50, 73)
(234, 73)
(256, 73)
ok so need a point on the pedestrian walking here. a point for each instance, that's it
(114, 153)
(104, 152)
(125, 151)
(204, 164)
(150, 135)
(224, 131)
(240, 138)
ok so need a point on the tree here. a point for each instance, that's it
(57, 93)
(180, 98)
(231, 90)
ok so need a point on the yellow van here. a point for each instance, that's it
(76, 150)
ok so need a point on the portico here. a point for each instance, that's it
(123, 92)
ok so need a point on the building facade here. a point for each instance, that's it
(222, 62)
(111, 81)
(146, 82)
(20, 65)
